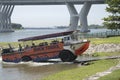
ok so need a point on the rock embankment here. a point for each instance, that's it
(103, 48)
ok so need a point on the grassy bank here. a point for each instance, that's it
(115, 40)
(5, 44)
(83, 71)
(115, 75)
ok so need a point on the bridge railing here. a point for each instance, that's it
(100, 34)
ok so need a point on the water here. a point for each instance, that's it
(14, 36)
(18, 34)
(36, 71)
(31, 70)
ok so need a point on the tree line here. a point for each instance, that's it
(16, 26)
(113, 20)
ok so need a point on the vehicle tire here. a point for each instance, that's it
(26, 58)
(67, 56)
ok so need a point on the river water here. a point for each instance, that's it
(31, 70)
(18, 34)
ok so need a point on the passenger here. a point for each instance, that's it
(55, 42)
(41, 44)
(0, 48)
(46, 43)
(62, 40)
(10, 47)
(20, 48)
(74, 35)
(51, 43)
(33, 45)
(26, 46)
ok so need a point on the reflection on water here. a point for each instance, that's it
(31, 70)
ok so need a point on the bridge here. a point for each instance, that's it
(7, 7)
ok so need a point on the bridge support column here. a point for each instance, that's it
(73, 17)
(83, 17)
(5, 18)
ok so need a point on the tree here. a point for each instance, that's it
(16, 26)
(113, 20)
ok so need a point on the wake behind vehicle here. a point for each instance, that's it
(67, 49)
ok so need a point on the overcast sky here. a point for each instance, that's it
(53, 15)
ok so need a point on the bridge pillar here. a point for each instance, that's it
(73, 17)
(83, 16)
(5, 18)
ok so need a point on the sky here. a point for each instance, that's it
(53, 15)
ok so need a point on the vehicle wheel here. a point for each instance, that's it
(26, 58)
(67, 56)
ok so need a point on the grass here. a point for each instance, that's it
(115, 75)
(102, 54)
(5, 44)
(83, 71)
(115, 40)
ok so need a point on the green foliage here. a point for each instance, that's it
(112, 25)
(113, 6)
(115, 75)
(16, 26)
(112, 18)
(113, 21)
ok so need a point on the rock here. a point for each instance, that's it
(103, 48)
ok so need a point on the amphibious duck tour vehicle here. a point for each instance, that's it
(67, 49)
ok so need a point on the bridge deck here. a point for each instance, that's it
(49, 2)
